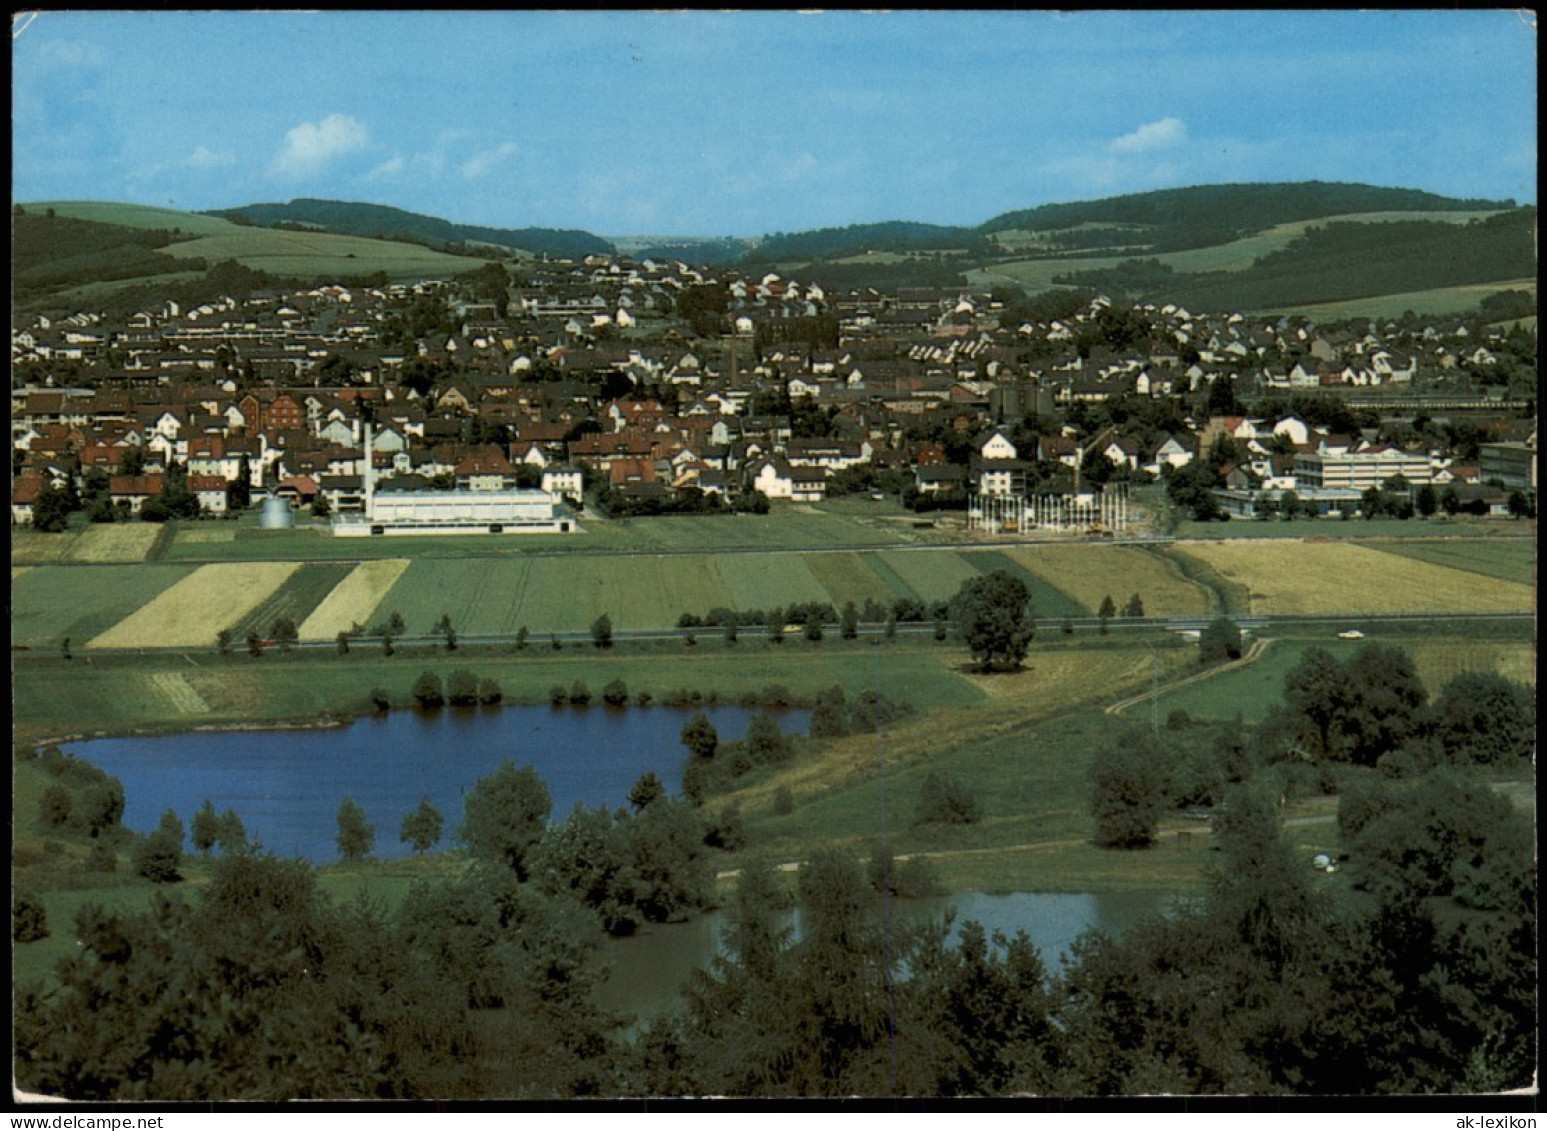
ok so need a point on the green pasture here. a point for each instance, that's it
(1046, 599)
(137, 216)
(1031, 780)
(933, 576)
(849, 576)
(1364, 528)
(762, 581)
(49, 603)
(1509, 560)
(1251, 690)
(1439, 300)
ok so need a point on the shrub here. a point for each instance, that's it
(579, 694)
(29, 919)
(615, 694)
(159, 858)
(783, 802)
(55, 806)
(427, 690)
(944, 801)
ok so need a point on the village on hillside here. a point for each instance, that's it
(647, 387)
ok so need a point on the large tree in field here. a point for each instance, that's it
(993, 615)
(505, 815)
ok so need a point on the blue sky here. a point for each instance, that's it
(747, 123)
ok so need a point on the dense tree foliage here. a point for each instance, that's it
(993, 615)
(504, 815)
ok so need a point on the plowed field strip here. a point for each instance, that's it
(190, 613)
(353, 600)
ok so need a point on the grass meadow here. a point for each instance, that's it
(1251, 690)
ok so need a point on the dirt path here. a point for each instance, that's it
(1259, 646)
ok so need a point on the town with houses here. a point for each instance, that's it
(586, 385)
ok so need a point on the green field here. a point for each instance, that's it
(1046, 599)
(275, 251)
(1251, 690)
(1440, 300)
(1513, 560)
(1239, 255)
(81, 601)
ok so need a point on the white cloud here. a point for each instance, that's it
(205, 158)
(388, 168)
(486, 161)
(1154, 135)
(311, 145)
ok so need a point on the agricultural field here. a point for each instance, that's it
(32, 548)
(1046, 600)
(1342, 578)
(931, 576)
(1439, 300)
(116, 542)
(296, 599)
(49, 603)
(1507, 560)
(849, 576)
(1087, 574)
(352, 600)
(193, 610)
(1237, 255)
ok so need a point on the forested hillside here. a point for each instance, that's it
(1204, 215)
(892, 235)
(1340, 261)
(49, 252)
(378, 221)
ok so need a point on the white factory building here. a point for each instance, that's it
(501, 511)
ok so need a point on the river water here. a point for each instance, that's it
(286, 785)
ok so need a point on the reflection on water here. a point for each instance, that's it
(286, 785)
(650, 969)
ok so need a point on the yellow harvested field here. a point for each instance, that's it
(31, 546)
(353, 599)
(190, 613)
(1340, 577)
(115, 542)
(17, 571)
(1089, 573)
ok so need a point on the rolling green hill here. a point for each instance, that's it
(123, 257)
(1206, 215)
(378, 221)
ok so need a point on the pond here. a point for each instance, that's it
(286, 785)
(650, 968)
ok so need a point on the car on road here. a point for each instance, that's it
(1350, 634)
